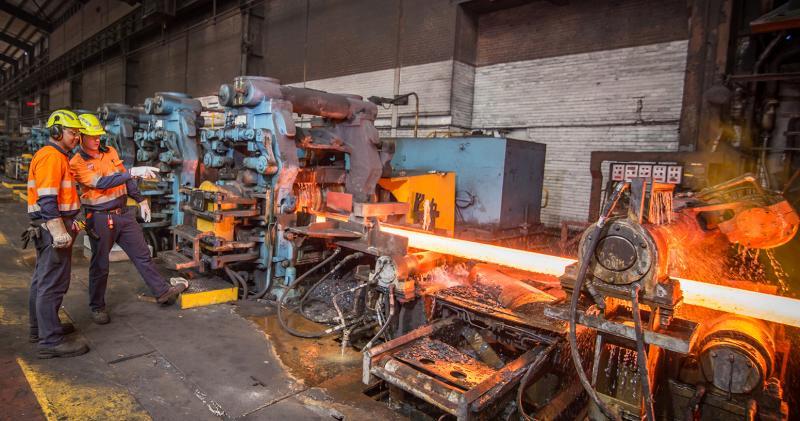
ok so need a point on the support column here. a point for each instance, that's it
(706, 63)
(251, 47)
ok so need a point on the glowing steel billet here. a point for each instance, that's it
(520, 259)
(758, 305)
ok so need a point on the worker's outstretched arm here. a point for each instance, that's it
(90, 178)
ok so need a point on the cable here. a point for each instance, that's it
(594, 238)
(388, 319)
(297, 281)
(293, 285)
(268, 281)
(238, 280)
(641, 354)
(301, 304)
(343, 322)
(533, 368)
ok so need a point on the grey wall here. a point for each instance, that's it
(590, 75)
(93, 16)
(195, 62)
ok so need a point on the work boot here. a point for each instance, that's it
(66, 329)
(172, 293)
(100, 317)
(63, 350)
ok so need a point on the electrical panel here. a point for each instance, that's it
(660, 173)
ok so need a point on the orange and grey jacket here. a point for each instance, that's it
(52, 192)
(105, 184)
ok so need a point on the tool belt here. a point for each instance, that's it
(115, 211)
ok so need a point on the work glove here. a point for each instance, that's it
(144, 210)
(144, 172)
(61, 237)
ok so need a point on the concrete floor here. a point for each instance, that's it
(227, 361)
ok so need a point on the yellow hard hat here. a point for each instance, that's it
(91, 125)
(64, 118)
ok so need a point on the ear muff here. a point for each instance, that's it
(56, 131)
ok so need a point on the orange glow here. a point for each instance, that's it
(773, 308)
(758, 305)
(519, 259)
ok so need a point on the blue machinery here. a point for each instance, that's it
(38, 138)
(121, 123)
(169, 142)
(270, 174)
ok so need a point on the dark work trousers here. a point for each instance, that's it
(128, 234)
(49, 284)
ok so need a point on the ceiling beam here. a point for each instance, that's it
(26, 16)
(8, 59)
(17, 42)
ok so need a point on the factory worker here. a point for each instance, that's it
(52, 205)
(105, 186)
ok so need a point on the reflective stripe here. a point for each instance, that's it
(44, 191)
(66, 184)
(94, 181)
(103, 198)
(34, 208)
(32, 183)
(69, 207)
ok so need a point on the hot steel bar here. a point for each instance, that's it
(520, 259)
(758, 305)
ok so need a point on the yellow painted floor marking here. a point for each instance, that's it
(62, 399)
(38, 390)
(207, 298)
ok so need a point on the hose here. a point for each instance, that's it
(294, 284)
(239, 281)
(641, 354)
(388, 319)
(576, 293)
(532, 369)
(297, 281)
(343, 322)
(268, 282)
(301, 303)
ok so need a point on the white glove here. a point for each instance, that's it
(144, 172)
(61, 238)
(144, 210)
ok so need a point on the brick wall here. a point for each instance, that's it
(623, 99)
(433, 83)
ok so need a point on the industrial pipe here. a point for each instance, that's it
(314, 102)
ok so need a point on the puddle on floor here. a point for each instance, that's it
(312, 360)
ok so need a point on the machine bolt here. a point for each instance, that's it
(713, 355)
(643, 245)
(616, 228)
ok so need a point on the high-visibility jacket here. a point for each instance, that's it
(52, 191)
(104, 182)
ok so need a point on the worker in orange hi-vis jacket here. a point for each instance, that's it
(52, 205)
(105, 186)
